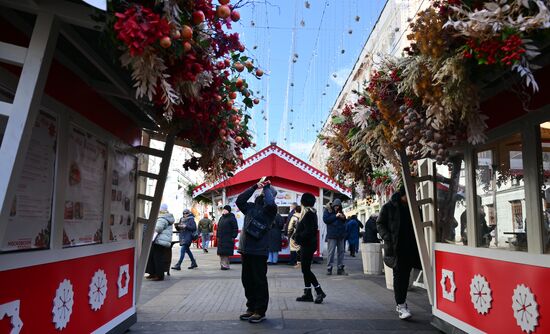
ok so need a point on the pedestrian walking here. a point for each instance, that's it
(306, 236)
(336, 234)
(294, 247)
(352, 235)
(162, 243)
(371, 233)
(187, 229)
(205, 228)
(275, 239)
(253, 246)
(400, 250)
(226, 234)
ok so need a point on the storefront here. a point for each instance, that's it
(68, 188)
(289, 175)
(492, 262)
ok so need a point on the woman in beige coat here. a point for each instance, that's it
(294, 247)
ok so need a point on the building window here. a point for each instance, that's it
(500, 192)
(517, 215)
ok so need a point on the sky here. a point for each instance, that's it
(307, 54)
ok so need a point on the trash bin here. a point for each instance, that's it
(371, 254)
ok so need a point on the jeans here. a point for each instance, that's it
(273, 257)
(309, 276)
(401, 274)
(254, 279)
(185, 249)
(205, 239)
(333, 245)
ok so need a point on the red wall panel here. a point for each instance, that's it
(36, 287)
(503, 277)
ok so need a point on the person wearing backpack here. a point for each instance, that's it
(253, 247)
(187, 233)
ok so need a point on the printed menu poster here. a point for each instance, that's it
(123, 197)
(84, 193)
(31, 210)
(284, 198)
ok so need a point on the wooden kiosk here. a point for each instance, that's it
(289, 175)
(485, 241)
(71, 258)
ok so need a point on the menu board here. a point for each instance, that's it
(285, 198)
(85, 190)
(30, 214)
(123, 197)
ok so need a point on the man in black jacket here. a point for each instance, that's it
(395, 227)
(253, 246)
(335, 219)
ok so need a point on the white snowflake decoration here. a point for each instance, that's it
(11, 310)
(448, 275)
(98, 289)
(123, 274)
(525, 308)
(480, 294)
(63, 304)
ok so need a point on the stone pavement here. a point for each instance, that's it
(208, 300)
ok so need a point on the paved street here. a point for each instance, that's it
(208, 300)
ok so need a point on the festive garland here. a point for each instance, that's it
(428, 101)
(190, 70)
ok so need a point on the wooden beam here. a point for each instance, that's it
(66, 11)
(148, 175)
(27, 100)
(145, 197)
(149, 151)
(12, 54)
(153, 214)
(424, 201)
(423, 178)
(5, 108)
(419, 231)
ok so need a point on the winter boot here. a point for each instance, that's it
(307, 297)
(320, 295)
(341, 271)
(177, 266)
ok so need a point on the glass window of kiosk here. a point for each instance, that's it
(545, 184)
(451, 202)
(501, 218)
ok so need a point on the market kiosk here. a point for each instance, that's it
(490, 245)
(69, 245)
(289, 175)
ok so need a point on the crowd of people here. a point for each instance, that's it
(261, 238)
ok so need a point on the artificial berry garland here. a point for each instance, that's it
(186, 64)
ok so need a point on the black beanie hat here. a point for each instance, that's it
(308, 200)
(227, 207)
(402, 191)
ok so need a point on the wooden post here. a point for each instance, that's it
(153, 215)
(419, 231)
